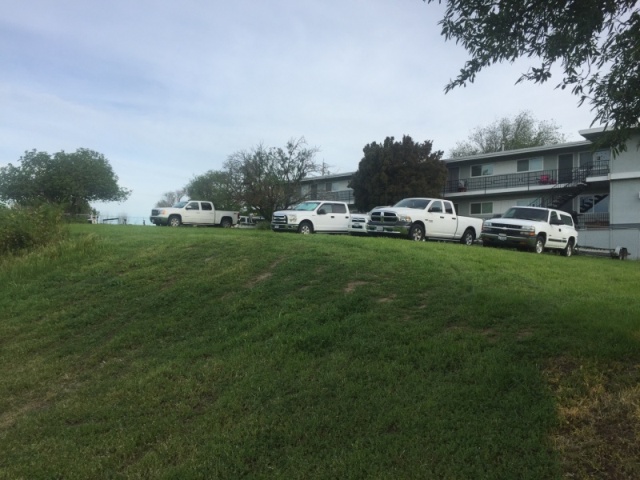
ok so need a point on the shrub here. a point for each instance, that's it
(26, 228)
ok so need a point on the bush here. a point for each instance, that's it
(26, 228)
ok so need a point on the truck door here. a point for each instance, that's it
(207, 213)
(322, 218)
(557, 238)
(339, 218)
(191, 212)
(439, 222)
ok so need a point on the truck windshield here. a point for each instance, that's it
(418, 203)
(180, 204)
(524, 213)
(306, 206)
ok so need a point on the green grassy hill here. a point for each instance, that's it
(139, 352)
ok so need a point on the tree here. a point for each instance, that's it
(521, 131)
(393, 170)
(596, 42)
(215, 186)
(70, 180)
(170, 198)
(269, 179)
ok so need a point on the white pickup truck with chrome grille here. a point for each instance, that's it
(313, 216)
(424, 218)
(193, 212)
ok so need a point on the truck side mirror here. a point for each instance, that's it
(322, 211)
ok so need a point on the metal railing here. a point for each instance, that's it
(589, 221)
(526, 180)
(338, 196)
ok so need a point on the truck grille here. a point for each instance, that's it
(384, 217)
(155, 212)
(510, 230)
(505, 225)
(280, 219)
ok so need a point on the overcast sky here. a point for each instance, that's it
(167, 90)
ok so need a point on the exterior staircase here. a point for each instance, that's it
(561, 193)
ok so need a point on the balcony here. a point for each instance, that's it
(338, 196)
(527, 180)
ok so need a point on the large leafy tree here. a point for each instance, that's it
(217, 186)
(595, 42)
(521, 131)
(394, 170)
(70, 180)
(269, 179)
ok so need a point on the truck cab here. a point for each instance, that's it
(313, 216)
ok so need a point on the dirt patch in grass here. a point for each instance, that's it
(7, 419)
(598, 409)
(264, 276)
(351, 286)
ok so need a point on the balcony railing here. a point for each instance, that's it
(526, 180)
(590, 221)
(338, 196)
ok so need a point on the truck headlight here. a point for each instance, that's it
(404, 218)
(487, 224)
(292, 218)
(528, 230)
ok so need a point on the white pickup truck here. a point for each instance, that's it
(193, 212)
(424, 218)
(313, 216)
(532, 228)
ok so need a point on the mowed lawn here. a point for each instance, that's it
(148, 352)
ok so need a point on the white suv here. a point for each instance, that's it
(532, 228)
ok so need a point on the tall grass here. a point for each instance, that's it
(27, 228)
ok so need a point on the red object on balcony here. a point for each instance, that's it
(544, 179)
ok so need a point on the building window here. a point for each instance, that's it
(328, 187)
(530, 165)
(586, 159)
(484, 208)
(528, 202)
(594, 203)
(602, 156)
(481, 170)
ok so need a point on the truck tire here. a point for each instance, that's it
(305, 228)
(568, 250)
(416, 233)
(226, 222)
(174, 221)
(468, 237)
(539, 247)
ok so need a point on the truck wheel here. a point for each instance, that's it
(174, 221)
(305, 228)
(539, 248)
(568, 250)
(416, 233)
(468, 237)
(225, 223)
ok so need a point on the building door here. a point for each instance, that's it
(565, 168)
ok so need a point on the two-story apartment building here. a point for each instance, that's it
(600, 190)
(329, 187)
